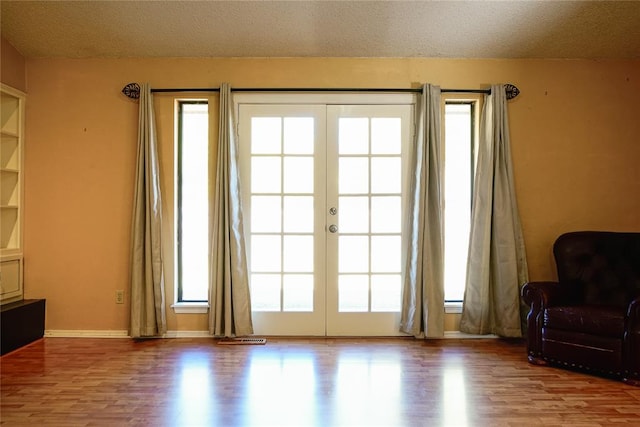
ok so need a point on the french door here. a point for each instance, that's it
(324, 189)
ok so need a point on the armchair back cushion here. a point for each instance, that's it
(599, 268)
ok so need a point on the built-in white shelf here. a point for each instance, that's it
(12, 103)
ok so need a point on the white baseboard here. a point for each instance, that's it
(187, 334)
(461, 335)
(63, 333)
(106, 333)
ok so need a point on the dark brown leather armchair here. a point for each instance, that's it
(590, 318)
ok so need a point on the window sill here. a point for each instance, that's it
(203, 307)
(453, 307)
(190, 307)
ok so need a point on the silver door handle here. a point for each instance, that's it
(333, 228)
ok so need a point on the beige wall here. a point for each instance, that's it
(574, 132)
(12, 66)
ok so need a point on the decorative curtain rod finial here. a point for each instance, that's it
(132, 90)
(511, 91)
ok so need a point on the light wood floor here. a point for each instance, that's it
(321, 382)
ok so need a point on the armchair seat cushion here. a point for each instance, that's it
(605, 321)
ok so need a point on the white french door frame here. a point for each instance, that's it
(325, 297)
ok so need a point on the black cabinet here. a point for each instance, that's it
(21, 322)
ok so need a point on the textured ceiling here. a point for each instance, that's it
(453, 29)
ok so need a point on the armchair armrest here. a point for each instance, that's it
(538, 296)
(633, 316)
(542, 294)
(631, 343)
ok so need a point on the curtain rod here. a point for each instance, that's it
(132, 90)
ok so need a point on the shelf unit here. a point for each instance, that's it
(12, 110)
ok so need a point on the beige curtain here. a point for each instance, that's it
(497, 265)
(422, 312)
(230, 304)
(148, 316)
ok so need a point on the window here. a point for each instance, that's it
(192, 202)
(458, 184)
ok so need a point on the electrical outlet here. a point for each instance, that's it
(119, 297)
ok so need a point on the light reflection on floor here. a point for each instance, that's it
(367, 390)
(454, 397)
(195, 402)
(281, 390)
(291, 386)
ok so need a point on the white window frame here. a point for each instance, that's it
(183, 307)
(455, 307)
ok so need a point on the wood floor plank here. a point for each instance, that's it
(299, 382)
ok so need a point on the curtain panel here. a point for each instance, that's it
(148, 317)
(497, 265)
(229, 298)
(422, 313)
